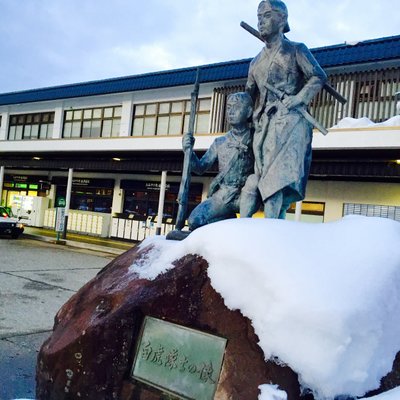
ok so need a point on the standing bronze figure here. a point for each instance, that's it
(283, 78)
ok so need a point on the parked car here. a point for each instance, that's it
(10, 225)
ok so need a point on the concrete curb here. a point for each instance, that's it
(76, 244)
(24, 333)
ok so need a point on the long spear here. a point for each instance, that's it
(183, 194)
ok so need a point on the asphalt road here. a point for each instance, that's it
(36, 279)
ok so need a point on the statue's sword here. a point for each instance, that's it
(281, 95)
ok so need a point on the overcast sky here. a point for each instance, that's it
(54, 42)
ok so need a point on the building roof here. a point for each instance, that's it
(369, 51)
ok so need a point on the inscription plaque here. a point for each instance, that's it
(178, 360)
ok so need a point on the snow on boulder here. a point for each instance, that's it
(271, 392)
(393, 394)
(323, 298)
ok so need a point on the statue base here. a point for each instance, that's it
(91, 351)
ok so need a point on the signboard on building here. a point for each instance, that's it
(84, 182)
(149, 186)
(27, 182)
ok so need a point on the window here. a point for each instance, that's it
(89, 199)
(92, 122)
(369, 90)
(169, 118)
(31, 126)
(372, 210)
(141, 198)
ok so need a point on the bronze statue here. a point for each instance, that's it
(233, 153)
(235, 163)
(283, 78)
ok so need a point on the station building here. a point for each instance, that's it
(115, 137)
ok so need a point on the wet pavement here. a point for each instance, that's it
(18, 362)
(36, 279)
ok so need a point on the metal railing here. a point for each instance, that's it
(369, 94)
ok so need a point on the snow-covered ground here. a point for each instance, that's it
(272, 392)
(348, 123)
(323, 298)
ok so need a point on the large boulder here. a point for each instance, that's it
(90, 352)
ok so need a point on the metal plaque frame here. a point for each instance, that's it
(177, 360)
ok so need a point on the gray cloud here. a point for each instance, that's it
(51, 42)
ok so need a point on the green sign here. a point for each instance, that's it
(177, 360)
(60, 201)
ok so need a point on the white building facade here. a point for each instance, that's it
(116, 137)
